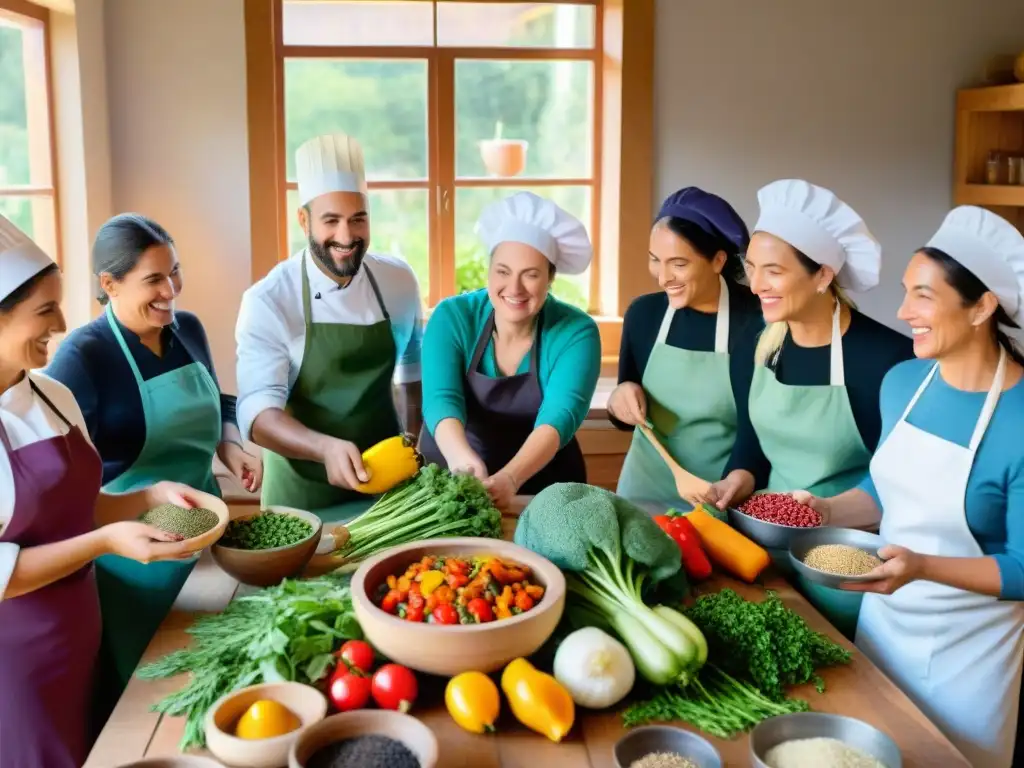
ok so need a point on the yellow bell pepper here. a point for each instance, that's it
(390, 463)
(429, 581)
(473, 702)
(538, 700)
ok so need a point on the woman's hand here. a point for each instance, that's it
(144, 543)
(901, 567)
(734, 488)
(166, 492)
(822, 506)
(628, 404)
(248, 469)
(467, 463)
(502, 488)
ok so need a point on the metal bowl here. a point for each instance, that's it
(665, 738)
(768, 535)
(819, 725)
(802, 544)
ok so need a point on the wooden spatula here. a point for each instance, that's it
(688, 486)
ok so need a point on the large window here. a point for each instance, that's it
(456, 104)
(27, 194)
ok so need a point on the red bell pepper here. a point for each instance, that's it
(682, 532)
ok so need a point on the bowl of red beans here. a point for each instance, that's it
(772, 519)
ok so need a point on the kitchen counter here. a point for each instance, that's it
(859, 690)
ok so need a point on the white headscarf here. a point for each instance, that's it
(20, 258)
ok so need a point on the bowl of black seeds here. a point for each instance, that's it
(200, 526)
(367, 738)
(263, 548)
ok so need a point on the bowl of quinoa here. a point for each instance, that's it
(834, 556)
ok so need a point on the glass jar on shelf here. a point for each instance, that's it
(992, 168)
(1012, 165)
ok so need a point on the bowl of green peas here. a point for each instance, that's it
(263, 548)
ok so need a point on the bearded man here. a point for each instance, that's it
(323, 338)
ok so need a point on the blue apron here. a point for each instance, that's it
(183, 429)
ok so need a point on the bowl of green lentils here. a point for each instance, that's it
(263, 548)
(201, 526)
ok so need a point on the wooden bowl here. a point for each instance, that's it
(267, 567)
(306, 702)
(212, 503)
(180, 761)
(451, 649)
(363, 722)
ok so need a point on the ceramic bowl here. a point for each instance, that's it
(665, 738)
(267, 567)
(810, 538)
(179, 761)
(451, 649)
(306, 702)
(363, 722)
(212, 503)
(816, 725)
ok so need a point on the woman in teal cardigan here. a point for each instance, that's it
(509, 372)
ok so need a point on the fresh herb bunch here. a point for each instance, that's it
(435, 503)
(266, 530)
(765, 642)
(286, 632)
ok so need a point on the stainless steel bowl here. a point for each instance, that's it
(819, 725)
(768, 535)
(665, 738)
(802, 544)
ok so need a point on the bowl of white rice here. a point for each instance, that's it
(820, 740)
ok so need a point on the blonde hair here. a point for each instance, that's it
(769, 344)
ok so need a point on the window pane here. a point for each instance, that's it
(471, 256)
(515, 25)
(330, 22)
(14, 148)
(34, 216)
(547, 104)
(398, 227)
(382, 104)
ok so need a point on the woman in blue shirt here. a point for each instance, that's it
(509, 371)
(944, 617)
(143, 377)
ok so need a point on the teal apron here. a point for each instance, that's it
(809, 435)
(343, 390)
(183, 428)
(691, 408)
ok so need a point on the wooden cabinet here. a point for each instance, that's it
(990, 120)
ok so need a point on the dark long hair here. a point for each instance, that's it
(120, 244)
(23, 291)
(971, 289)
(708, 245)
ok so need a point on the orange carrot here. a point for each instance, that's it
(728, 547)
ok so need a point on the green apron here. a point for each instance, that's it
(183, 428)
(691, 408)
(343, 390)
(809, 435)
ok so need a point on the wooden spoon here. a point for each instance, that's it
(688, 486)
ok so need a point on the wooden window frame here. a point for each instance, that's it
(39, 107)
(622, 165)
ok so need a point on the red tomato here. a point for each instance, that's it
(348, 690)
(446, 614)
(480, 609)
(414, 613)
(357, 654)
(394, 687)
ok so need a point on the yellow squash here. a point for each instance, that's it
(538, 700)
(390, 463)
(473, 701)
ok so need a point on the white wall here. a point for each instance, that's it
(178, 138)
(855, 96)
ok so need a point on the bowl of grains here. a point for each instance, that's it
(201, 525)
(665, 746)
(263, 548)
(821, 740)
(832, 556)
(773, 519)
(365, 738)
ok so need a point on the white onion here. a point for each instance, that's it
(595, 668)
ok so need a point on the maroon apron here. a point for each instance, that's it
(50, 638)
(501, 413)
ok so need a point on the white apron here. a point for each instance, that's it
(956, 654)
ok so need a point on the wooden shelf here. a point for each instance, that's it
(998, 98)
(989, 195)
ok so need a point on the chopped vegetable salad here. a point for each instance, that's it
(460, 590)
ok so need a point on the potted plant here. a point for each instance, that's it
(503, 157)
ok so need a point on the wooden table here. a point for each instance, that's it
(859, 690)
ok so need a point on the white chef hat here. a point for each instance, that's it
(329, 163)
(535, 221)
(991, 248)
(824, 228)
(20, 258)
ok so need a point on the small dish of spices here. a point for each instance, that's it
(365, 738)
(370, 751)
(185, 522)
